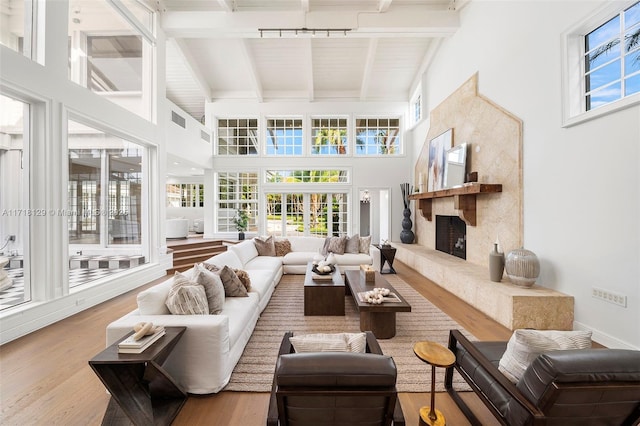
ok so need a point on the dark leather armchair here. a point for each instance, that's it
(334, 388)
(563, 388)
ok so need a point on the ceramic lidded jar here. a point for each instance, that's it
(522, 267)
(331, 259)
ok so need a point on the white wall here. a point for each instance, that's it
(581, 184)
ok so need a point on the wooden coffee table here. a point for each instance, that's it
(140, 387)
(323, 296)
(380, 319)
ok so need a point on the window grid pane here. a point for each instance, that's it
(329, 136)
(612, 52)
(238, 137)
(284, 137)
(237, 191)
(377, 136)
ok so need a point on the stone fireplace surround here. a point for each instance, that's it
(495, 138)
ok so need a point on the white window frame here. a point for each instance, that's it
(347, 128)
(416, 104)
(357, 153)
(573, 69)
(217, 138)
(265, 136)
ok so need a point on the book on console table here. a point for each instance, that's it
(131, 346)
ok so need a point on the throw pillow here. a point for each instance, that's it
(265, 246)
(210, 267)
(282, 247)
(244, 278)
(336, 342)
(353, 244)
(336, 245)
(232, 285)
(365, 242)
(213, 287)
(186, 297)
(525, 345)
(325, 246)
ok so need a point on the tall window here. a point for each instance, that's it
(238, 136)
(185, 195)
(612, 59)
(14, 202)
(237, 191)
(377, 136)
(329, 136)
(104, 189)
(15, 19)
(416, 108)
(284, 136)
(111, 51)
(307, 213)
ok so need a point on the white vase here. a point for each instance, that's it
(331, 259)
(522, 267)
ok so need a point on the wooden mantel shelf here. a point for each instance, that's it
(464, 199)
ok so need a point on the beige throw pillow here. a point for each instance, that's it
(335, 342)
(232, 285)
(265, 246)
(213, 287)
(282, 247)
(336, 245)
(365, 242)
(186, 297)
(244, 278)
(526, 345)
(353, 244)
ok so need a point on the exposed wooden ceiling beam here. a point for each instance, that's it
(368, 68)
(383, 5)
(227, 5)
(403, 22)
(253, 71)
(194, 70)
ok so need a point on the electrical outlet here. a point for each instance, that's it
(609, 296)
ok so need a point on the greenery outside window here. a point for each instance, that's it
(307, 176)
(329, 136)
(185, 195)
(378, 136)
(236, 191)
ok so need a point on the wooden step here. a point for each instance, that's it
(183, 244)
(188, 252)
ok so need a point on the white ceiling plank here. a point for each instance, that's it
(183, 50)
(368, 68)
(227, 5)
(383, 5)
(253, 71)
(304, 4)
(309, 68)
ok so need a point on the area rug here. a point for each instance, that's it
(285, 312)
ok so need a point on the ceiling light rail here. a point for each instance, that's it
(304, 31)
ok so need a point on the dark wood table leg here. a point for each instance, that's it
(381, 324)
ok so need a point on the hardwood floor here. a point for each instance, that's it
(45, 378)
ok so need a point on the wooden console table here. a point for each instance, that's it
(464, 199)
(140, 387)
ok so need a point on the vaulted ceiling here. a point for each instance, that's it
(216, 51)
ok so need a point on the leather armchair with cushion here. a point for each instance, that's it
(563, 388)
(334, 388)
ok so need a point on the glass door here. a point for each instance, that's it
(315, 214)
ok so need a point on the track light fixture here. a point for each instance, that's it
(303, 31)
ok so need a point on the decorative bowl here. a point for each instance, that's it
(314, 269)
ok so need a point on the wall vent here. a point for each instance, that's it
(205, 136)
(178, 119)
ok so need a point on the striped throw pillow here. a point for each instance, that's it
(187, 297)
(335, 342)
(526, 345)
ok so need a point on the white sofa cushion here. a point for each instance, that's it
(246, 250)
(298, 257)
(264, 262)
(240, 311)
(353, 259)
(228, 258)
(312, 244)
(261, 282)
(152, 300)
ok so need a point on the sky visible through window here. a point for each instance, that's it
(612, 61)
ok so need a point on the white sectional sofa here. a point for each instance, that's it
(205, 356)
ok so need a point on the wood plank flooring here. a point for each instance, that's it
(45, 378)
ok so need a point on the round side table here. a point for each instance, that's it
(437, 356)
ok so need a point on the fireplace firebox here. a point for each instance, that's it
(451, 236)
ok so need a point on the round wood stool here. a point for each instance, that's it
(437, 356)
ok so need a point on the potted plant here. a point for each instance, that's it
(241, 220)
